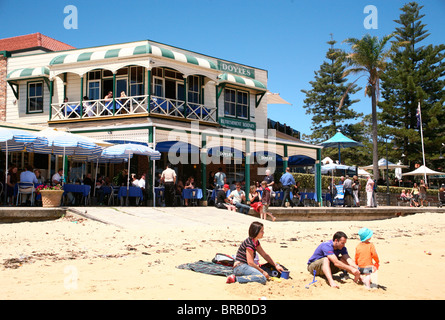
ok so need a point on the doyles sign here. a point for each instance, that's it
(236, 69)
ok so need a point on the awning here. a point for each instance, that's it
(230, 78)
(26, 73)
(275, 98)
(166, 53)
(99, 55)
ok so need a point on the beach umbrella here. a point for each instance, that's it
(64, 143)
(339, 140)
(15, 140)
(423, 171)
(129, 149)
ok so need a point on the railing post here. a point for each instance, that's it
(51, 90)
(114, 93)
(81, 97)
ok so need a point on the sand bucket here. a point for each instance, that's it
(285, 274)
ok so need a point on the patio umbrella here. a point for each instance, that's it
(14, 140)
(65, 143)
(423, 171)
(129, 149)
(382, 165)
(339, 140)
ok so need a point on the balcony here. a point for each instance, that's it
(132, 106)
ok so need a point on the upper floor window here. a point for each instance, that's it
(236, 103)
(35, 97)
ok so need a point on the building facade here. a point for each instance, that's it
(201, 112)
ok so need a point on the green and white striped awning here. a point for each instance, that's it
(99, 55)
(26, 73)
(167, 53)
(231, 78)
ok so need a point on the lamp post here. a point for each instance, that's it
(388, 199)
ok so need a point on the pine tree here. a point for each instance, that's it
(323, 99)
(416, 73)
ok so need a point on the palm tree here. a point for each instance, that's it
(369, 56)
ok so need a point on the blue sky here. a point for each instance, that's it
(286, 37)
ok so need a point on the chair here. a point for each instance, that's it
(114, 194)
(23, 189)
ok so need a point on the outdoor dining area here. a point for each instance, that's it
(27, 189)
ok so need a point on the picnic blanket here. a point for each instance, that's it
(207, 267)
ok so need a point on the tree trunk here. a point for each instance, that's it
(375, 156)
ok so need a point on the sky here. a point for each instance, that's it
(288, 38)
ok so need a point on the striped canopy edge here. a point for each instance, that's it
(167, 53)
(226, 77)
(99, 55)
(28, 73)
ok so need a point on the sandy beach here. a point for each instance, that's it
(79, 258)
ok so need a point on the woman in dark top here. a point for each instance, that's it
(245, 269)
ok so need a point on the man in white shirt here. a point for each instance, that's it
(237, 196)
(168, 177)
(57, 177)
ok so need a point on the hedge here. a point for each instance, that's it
(307, 181)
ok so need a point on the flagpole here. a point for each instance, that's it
(421, 136)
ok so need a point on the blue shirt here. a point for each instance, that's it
(287, 179)
(28, 176)
(325, 249)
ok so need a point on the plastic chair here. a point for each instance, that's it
(25, 188)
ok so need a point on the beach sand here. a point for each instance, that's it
(78, 258)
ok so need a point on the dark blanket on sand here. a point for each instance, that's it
(207, 267)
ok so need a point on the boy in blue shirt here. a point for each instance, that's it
(331, 257)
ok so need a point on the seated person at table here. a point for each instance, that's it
(134, 182)
(57, 180)
(221, 201)
(238, 196)
(89, 182)
(27, 176)
(189, 184)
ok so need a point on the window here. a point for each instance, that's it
(158, 85)
(236, 103)
(136, 81)
(193, 89)
(242, 106)
(94, 90)
(35, 97)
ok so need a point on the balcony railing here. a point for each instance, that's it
(134, 105)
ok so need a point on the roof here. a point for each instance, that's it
(30, 41)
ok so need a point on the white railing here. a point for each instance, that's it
(132, 105)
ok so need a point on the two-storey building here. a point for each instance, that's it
(201, 112)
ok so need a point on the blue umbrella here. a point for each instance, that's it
(339, 140)
(15, 140)
(129, 149)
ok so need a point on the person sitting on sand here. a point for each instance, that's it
(331, 257)
(245, 269)
(365, 253)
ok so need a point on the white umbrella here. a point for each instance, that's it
(14, 140)
(65, 143)
(423, 171)
(382, 165)
(129, 149)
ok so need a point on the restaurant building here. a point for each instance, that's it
(200, 112)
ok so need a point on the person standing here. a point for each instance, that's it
(422, 192)
(168, 178)
(287, 181)
(369, 192)
(269, 179)
(347, 187)
(356, 190)
(220, 179)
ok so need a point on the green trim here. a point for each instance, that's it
(27, 97)
(113, 53)
(16, 90)
(257, 102)
(51, 93)
(86, 56)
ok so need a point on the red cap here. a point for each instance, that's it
(226, 186)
